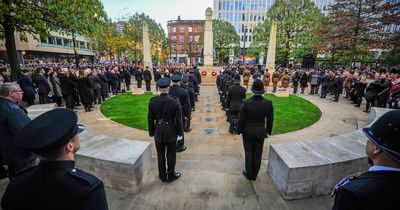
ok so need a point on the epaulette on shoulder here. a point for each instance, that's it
(342, 183)
(88, 178)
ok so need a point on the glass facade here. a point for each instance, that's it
(248, 13)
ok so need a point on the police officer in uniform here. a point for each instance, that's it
(378, 188)
(192, 95)
(55, 183)
(165, 124)
(179, 92)
(236, 95)
(256, 119)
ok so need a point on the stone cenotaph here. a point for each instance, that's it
(208, 59)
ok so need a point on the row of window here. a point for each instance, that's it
(242, 17)
(249, 28)
(245, 5)
(64, 42)
(186, 49)
(190, 38)
(173, 29)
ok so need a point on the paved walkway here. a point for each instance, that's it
(211, 166)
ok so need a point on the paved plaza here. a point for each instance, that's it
(211, 166)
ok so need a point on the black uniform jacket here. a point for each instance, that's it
(165, 118)
(42, 84)
(373, 190)
(235, 97)
(183, 96)
(256, 116)
(55, 185)
(147, 75)
(67, 85)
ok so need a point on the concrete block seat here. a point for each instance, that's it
(119, 163)
(312, 168)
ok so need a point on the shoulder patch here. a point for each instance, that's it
(342, 183)
(88, 178)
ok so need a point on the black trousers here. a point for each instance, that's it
(148, 87)
(43, 99)
(30, 99)
(324, 91)
(253, 149)
(97, 96)
(295, 88)
(69, 101)
(139, 84)
(166, 154)
(233, 118)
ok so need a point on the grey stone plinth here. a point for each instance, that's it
(36, 110)
(312, 168)
(119, 163)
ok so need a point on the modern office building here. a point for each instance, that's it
(55, 48)
(120, 26)
(184, 39)
(244, 14)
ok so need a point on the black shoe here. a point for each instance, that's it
(174, 176)
(183, 148)
(188, 130)
(246, 175)
(163, 178)
(366, 111)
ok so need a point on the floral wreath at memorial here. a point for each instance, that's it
(214, 73)
(204, 73)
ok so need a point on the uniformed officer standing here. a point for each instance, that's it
(192, 95)
(183, 96)
(55, 183)
(378, 188)
(256, 119)
(266, 78)
(165, 124)
(236, 95)
(275, 80)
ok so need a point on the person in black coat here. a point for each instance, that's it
(113, 79)
(378, 187)
(256, 118)
(43, 86)
(165, 124)
(85, 90)
(303, 81)
(337, 87)
(157, 76)
(68, 87)
(198, 77)
(29, 88)
(325, 82)
(94, 78)
(104, 84)
(139, 77)
(193, 79)
(190, 90)
(183, 95)
(147, 78)
(236, 95)
(359, 90)
(295, 81)
(127, 78)
(55, 183)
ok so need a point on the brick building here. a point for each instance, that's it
(184, 39)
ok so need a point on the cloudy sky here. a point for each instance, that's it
(160, 10)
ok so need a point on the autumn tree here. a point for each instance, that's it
(297, 22)
(42, 16)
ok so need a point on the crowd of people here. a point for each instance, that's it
(377, 87)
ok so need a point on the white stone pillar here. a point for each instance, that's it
(208, 39)
(146, 48)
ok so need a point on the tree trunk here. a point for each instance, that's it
(75, 52)
(10, 46)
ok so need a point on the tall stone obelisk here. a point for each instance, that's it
(146, 48)
(272, 49)
(208, 59)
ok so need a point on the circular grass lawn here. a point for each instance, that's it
(290, 114)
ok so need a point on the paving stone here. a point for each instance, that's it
(209, 131)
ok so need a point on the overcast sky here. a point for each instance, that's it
(160, 10)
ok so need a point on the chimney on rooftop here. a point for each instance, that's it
(179, 17)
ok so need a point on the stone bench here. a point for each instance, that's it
(38, 109)
(312, 168)
(119, 163)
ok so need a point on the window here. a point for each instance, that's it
(196, 29)
(249, 38)
(67, 43)
(236, 5)
(82, 45)
(59, 41)
(196, 38)
(181, 29)
(43, 40)
(190, 38)
(190, 29)
(51, 40)
(174, 29)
